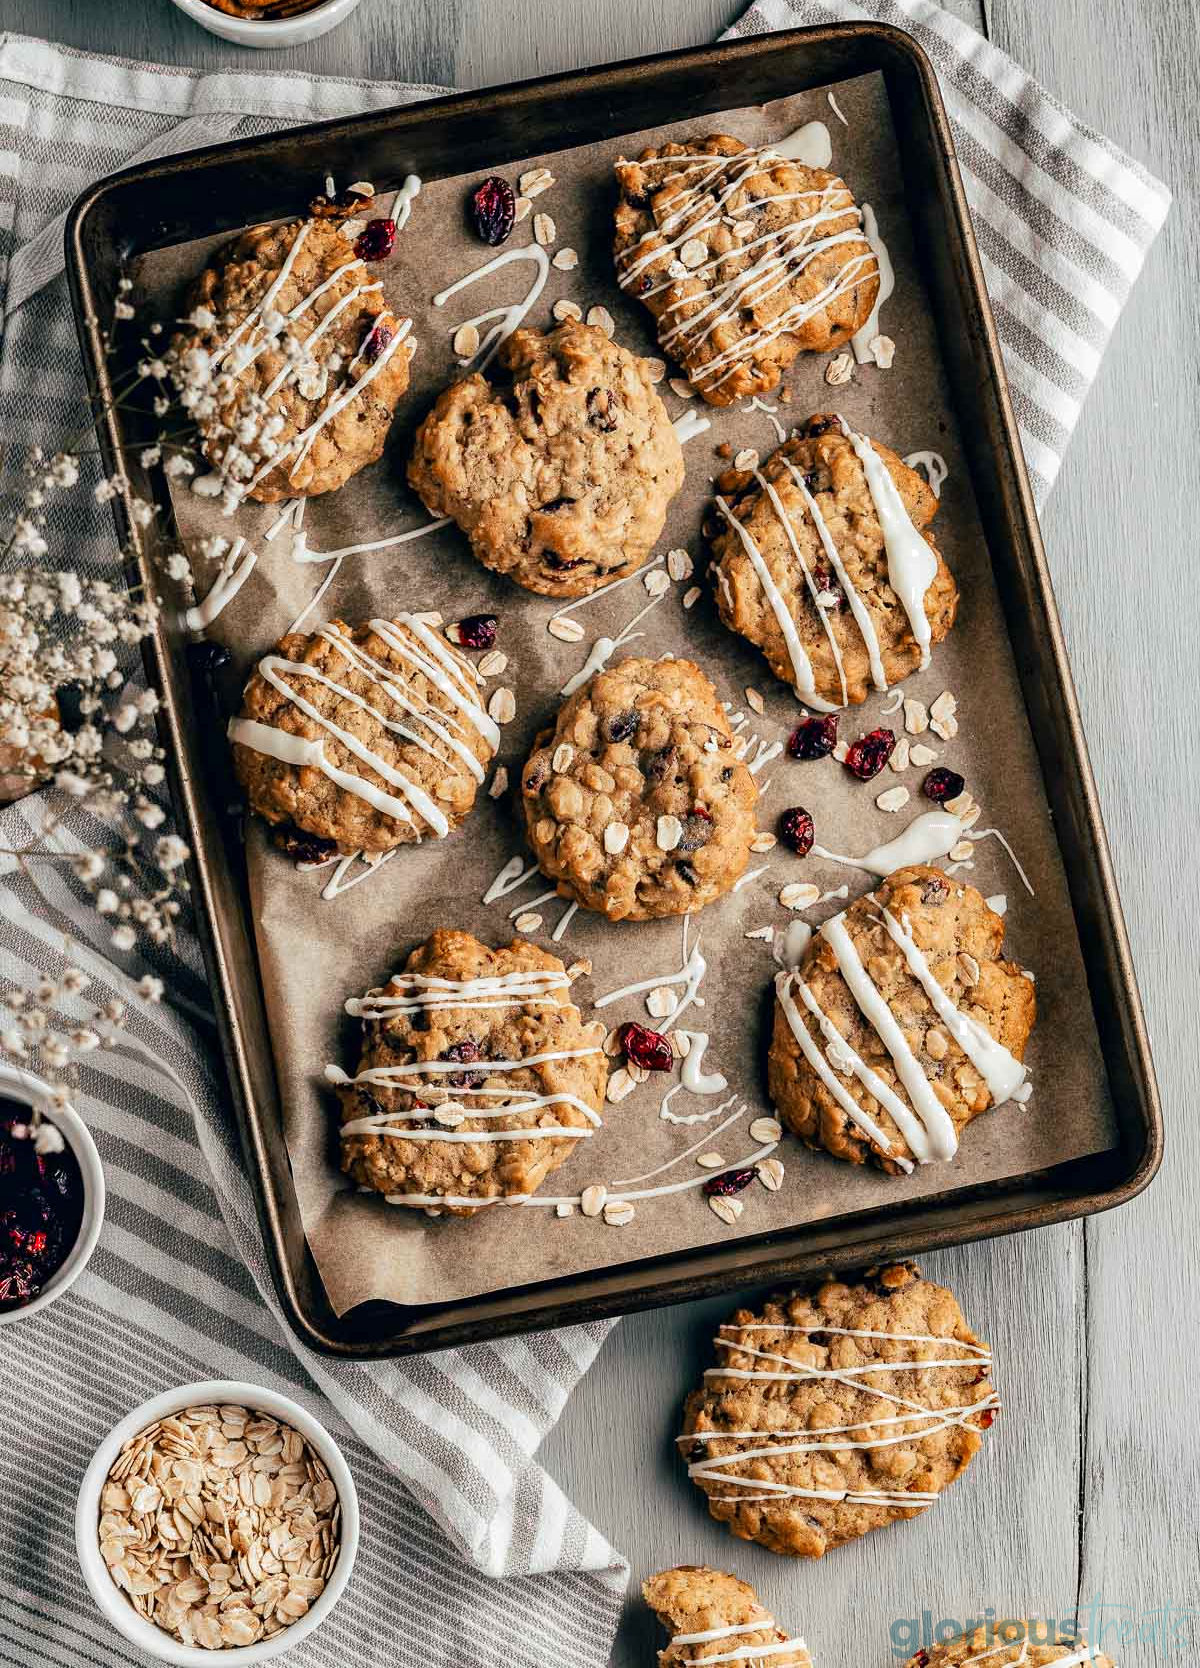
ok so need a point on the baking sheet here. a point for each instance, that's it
(314, 953)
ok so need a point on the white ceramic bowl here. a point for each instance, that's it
(31, 1091)
(112, 1601)
(292, 31)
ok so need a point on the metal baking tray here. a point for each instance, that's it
(226, 187)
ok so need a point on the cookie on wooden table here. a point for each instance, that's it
(292, 362)
(900, 1024)
(710, 1614)
(361, 739)
(561, 469)
(477, 1077)
(839, 1411)
(822, 559)
(744, 258)
(1016, 1643)
(636, 802)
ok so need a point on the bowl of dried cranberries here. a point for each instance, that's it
(51, 1195)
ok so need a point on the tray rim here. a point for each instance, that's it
(913, 1228)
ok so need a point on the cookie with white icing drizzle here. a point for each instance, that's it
(294, 379)
(715, 1618)
(477, 1077)
(822, 559)
(636, 802)
(744, 258)
(1014, 1643)
(363, 739)
(832, 1413)
(900, 1024)
(560, 470)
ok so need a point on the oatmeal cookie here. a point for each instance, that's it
(358, 740)
(744, 259)
(794, 1435)
(437, 1115)
(710, 1614)
(864, 1061)
(812, 557)
(285, 326)
(1031, 1643)
(636, 802)
(560, 473)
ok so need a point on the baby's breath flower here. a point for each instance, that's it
(170, 852)
(123, 937)
(150, 987)
(47, 1137)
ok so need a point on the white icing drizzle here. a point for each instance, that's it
(367, 549)
(533, 903)
(834, 106)
(514, 873)
(995, 834)
(689, 1118)
(808, 1047)
(804, 681)
(789, 943)
(912, 565)
(861, 341)
(438, 666)
(931, 835)
(997, 903)
(786, 252)
(768, 411)
(604, 648)
(272, 290)
(750, 874)
(939, 1126)
(564, 922)
(506, 319)
(914, 1420)
(403, 201)
(858, 608)
(1000, 1070)
(613, 585)
(693, 1078)
(334, 569)
(290, 512)
(342, 866)
(232, 576)
(935, 466)
(412, 993)
(689, 426)
(810, 145)
(690, 976)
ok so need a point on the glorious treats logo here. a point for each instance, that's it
(1096, 1627)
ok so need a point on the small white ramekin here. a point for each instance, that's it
(31, 1091)
(246, 31)
(112, 1601)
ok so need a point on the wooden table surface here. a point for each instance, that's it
(1087, 1492)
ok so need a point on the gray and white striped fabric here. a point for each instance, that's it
(442, 1448)
(1064, 220)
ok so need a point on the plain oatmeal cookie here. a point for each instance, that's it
(1014, 1643)
(358, 740)
(297, 360)
(793, 1437)
(744, 259)
(834, 1079)
(560, 471)
(709, 1613)
(826, 615)
(442, 1113)
(636, 802)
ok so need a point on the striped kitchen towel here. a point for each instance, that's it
(1063, 219)
(178, 1287)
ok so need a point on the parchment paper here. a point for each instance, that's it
(316, 953)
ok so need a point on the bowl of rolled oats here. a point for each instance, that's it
(219, 1519)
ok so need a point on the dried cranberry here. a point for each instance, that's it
(829, 586)
(378, 337)
(921, 1658)
(986, 1418)
(43, 1196)
(302, 847)
(622, 725)
(935, 892)
(376, 241)
(867, 756)
(477, 631)
(645, 282)
(941, 785)
(493, 209)
(207, 657)
(602, 405)
(731, 1181)
(656, 767)
(814, 738)
(466, 1052)
(796, 830)
(646, 1048)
